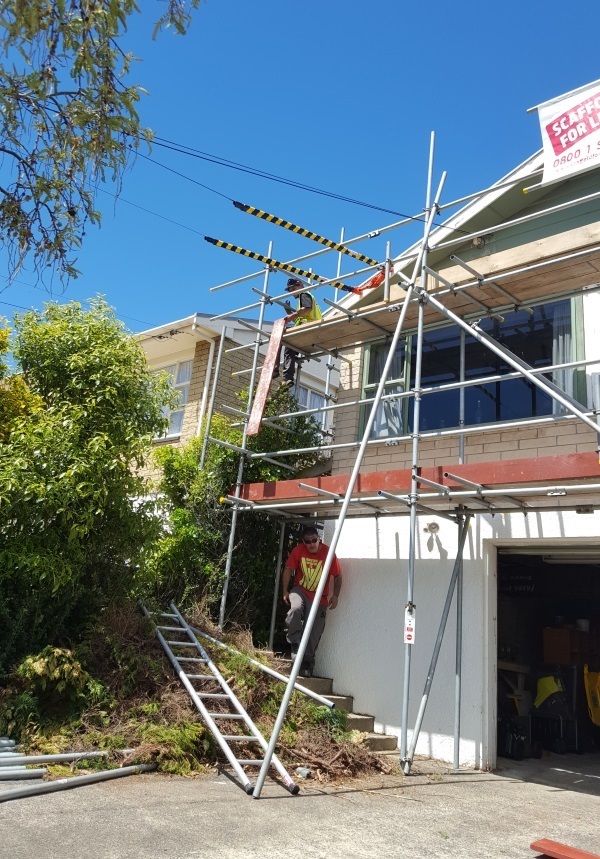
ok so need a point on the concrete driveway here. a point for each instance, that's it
(431, 813)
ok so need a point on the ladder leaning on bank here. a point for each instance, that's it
(235, 716)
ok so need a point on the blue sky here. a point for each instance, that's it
(342, 96)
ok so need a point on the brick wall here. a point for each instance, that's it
(227, 386)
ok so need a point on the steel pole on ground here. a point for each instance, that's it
(76, 781)
(308, 625)
(211, 406)
(240, 474)
(464, 527)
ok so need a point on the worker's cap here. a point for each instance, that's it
(295, 282)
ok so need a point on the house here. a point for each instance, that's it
(506, 288)
(188, 349)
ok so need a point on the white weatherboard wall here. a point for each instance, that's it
(362, 645)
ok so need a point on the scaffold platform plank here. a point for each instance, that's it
(266, 377)
(541, 471)
(538, 272)
(556, 850)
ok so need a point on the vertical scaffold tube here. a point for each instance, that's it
(458, 663)
(414, 485)
(240, 474)
(213, 393)
(343, 510)
(276, 583)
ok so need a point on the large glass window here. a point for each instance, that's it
(542, 338)
(180, 374)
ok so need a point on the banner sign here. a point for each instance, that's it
(570, 127)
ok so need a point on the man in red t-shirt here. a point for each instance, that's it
(303, 570)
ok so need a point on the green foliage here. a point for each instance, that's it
(68, 118)
(16, 400)
(54, 674)
(183, 747)
(189, 560)
(48, 688)
(72, 536)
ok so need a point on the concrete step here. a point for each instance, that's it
(360, 722)
(342, 702)
(320, 685)
(380, 742)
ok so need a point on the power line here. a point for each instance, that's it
(273, 177)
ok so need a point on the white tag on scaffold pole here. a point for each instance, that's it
(409, 626)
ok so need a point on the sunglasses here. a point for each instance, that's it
(313, 540)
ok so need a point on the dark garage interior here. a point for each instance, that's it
(548, 653)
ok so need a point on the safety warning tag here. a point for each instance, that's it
(409, 626)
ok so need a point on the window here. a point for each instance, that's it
(541, 338)
(308, 399)
(390, 414)
(180, 374)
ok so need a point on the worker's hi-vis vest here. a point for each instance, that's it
(313, 316)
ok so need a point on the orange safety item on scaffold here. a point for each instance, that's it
(374, 281)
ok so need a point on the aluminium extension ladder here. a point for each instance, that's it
(235, 716)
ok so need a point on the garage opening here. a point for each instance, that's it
(548, 652)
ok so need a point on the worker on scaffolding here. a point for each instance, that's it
(303, 571)
(307, 311)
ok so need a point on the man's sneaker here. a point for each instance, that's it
(287, 383)
(306, 670)
(294, 652)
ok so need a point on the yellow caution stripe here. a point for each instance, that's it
(287, 225)
(275, 264)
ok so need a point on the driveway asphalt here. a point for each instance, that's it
(431, 813)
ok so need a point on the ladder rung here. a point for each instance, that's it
(171, 628)
(162, 614)
(241, 738)
(183, 643)
(201, 677)
(189, 659)
(254, 763)
(211, 695)
(225, 716)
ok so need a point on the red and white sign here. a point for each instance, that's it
(570, 126)
(409, 626)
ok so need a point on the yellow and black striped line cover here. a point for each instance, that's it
(287, 225)
(273, 263)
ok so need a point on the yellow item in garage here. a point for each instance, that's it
(591, 681)
(547, 686)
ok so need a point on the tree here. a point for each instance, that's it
(68, 119)
(74, 524)
(16, 400)
(188, 562)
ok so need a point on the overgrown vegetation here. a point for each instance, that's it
(79, 410)
(117, 691)
(189, 561)
(80, 540)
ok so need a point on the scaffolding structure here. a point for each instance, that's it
(416, 300)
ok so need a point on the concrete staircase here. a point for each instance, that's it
(356, 721)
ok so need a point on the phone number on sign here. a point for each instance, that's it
(578, 153)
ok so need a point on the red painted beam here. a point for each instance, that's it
(547, 469)
(556, 850)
